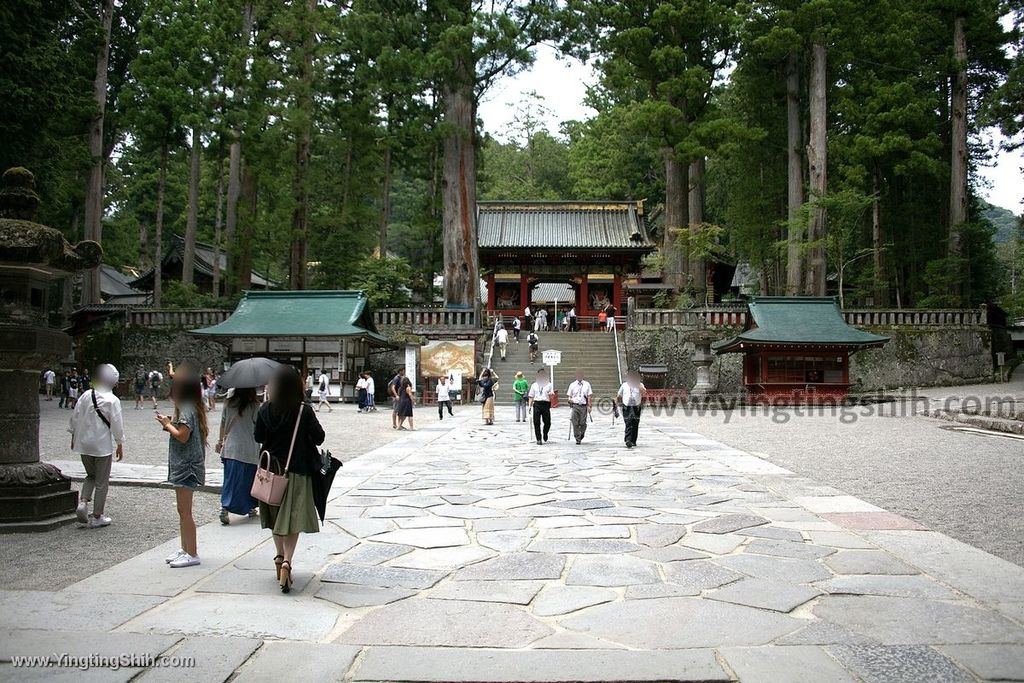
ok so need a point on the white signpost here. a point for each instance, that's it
(552, 358)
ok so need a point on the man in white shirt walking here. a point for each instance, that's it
(97, 435)
(580, 395)
(528, 318)
(323, 384)
(361, 395)
(540, 405)
(50, 377)
(370, 389)
(502, 340)
(516, 326)
(631, 397)
(444, 397)
(571, 317)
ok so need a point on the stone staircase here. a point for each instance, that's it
(594, 352)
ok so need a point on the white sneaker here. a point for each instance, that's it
(82, 512)
(173, 556)
(184, 560)
(97, 522)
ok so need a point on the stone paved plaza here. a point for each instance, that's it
(454, 554)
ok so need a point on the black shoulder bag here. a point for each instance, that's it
(98, 412)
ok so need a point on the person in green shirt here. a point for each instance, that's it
(519, 388)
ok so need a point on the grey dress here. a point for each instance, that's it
(186, 462)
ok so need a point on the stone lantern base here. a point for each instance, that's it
(35, 497)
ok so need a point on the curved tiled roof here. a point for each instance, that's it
(562, 225)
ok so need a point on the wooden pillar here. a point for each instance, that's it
(617, 294)
(524, 291)
(584, 305)
(492, 295)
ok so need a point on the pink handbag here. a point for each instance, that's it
(268, 486)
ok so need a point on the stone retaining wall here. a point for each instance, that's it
(915, 356)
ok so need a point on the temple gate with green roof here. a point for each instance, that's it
(797, 350)
(331, 330)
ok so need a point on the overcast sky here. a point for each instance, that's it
(562, 83)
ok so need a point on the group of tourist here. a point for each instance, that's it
(279, 435)
(147, 384)
(71, 383)
(536, 398)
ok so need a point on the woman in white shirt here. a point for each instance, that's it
(631, 397)
(540, 404)
(361, 393)
(97, 434)
(370, 389)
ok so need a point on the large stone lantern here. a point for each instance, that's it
(33, 495)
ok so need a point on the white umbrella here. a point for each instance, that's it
(251, 372)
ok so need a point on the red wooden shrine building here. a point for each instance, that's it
(591, 246)
(797, 350)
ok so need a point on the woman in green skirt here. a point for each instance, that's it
(275, 424)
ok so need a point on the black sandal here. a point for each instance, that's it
(278, 560)
(286, 576)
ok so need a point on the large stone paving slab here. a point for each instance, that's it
(680, 623)
(93, 612)
(793, 664)
(381, 577)
(913, 621)
(515, 566)
(612, 570)
(774, 595)
(245, 616)
(447, 623)
(445, 665)
(899, 664)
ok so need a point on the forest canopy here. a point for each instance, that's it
(826, 143)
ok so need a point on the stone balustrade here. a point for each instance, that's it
(175, 318)
(707, 316)
(880, 317)
(736, 316)
(427, 319)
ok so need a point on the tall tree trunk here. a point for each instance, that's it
(158, 259)
(247, 229)
(218, 221)
(677, 212)
(188, 259)
(234, 275)
(794, 177)
(231, 212)
(698, 265)
(144, 255)
(385, 203)
(817, 157)
(300, 176)
(94, 186)
(958, 165)
(458, 188)
(880, 281)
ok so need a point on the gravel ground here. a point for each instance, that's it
(143, 518)
(966, 485)
(146, 444)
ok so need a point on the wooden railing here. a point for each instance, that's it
(954, 317)
(427, 318)
(710, 316)
(173, 318)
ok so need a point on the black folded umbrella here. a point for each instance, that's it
(323, 478)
